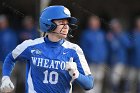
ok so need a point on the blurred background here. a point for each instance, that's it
(108, 32)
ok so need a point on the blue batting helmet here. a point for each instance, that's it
(54, 13)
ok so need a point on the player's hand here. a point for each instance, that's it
(71, 67)
(7, 85)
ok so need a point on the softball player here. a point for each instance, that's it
(52, 62)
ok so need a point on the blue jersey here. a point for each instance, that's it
(94, 46)
(8, 41)
(26, 34)
(135, 56)
(119, 45)
(46, 64)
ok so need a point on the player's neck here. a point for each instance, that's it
(53, 38)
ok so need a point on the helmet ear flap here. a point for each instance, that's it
(51, 27)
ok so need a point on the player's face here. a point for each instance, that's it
(116, 26)
(94, 23)
(138, 23)
(62, 28)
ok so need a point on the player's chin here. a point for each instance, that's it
(63, 35)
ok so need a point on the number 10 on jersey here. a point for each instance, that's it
(50, 78)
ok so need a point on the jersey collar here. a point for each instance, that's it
(53, 44)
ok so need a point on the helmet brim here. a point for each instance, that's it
(72, 20)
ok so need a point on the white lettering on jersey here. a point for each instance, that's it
(52, 64)
(62, 65)
(46, 63)
(57, 62)
(34, 59)
(40, 62)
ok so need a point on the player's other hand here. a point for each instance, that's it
(7, 85)
(71, 67)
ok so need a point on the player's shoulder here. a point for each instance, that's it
(24, 45)
(31, 42)
(70, 45)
